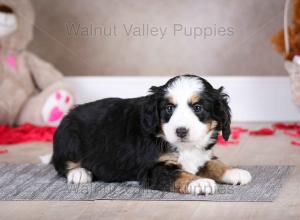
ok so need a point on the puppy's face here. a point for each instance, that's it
(191, 111)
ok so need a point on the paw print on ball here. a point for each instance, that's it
(57, 105)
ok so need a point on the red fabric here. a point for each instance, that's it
(25, 133)
(237, 131)
(296, 143)
(262, 132)
(292, 130)
(295, 134)
(235, 136)
(221, 141)
(283, 126)
(3, 151)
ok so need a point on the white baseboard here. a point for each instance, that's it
(251, 98)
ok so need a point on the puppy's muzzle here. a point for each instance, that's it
(182, 132)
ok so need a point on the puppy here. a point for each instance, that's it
(163, 140)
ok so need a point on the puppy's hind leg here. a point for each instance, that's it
(76, 174)
(67, 152)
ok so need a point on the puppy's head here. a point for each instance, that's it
(188, 110)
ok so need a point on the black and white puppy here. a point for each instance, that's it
(163, 140)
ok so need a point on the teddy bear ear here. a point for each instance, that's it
(278, 42)
(296, 13)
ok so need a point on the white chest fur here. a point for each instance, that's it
(191, 158)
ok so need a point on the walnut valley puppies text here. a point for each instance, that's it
(148, 31)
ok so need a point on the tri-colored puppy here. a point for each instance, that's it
(163, 140)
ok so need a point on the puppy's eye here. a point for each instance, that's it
(170, 109)
(197, 108)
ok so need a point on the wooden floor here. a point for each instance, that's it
(272, 150)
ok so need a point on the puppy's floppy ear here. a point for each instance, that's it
(150, 115)
(156, 90)
(223, 113)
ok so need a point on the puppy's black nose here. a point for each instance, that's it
(181, 132)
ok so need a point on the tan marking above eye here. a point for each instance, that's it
(172, 100)
(6, 9)
(194, 99)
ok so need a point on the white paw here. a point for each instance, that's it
(79, 175)
(56, 106)
(202, 186)
(237, 176)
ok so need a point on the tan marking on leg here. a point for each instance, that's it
(182, 182)
(169, 158)
(214, 169)
(72, 165)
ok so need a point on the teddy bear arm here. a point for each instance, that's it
(43, 73)
(54, 98)
(47, 107)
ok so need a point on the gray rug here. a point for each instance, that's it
(40, 182)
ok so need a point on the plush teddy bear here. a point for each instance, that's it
(294, 35)
(31, 90)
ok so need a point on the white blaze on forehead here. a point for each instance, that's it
(183, 88)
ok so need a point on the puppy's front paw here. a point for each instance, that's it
(202, 186)
(79, 175)
(237, 176)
